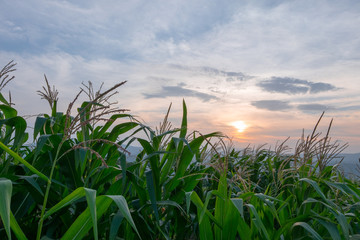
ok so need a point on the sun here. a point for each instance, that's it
(240, 126)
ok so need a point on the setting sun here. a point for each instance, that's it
(240, 126)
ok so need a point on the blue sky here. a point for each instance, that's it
(275, 65)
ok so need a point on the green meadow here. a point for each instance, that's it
(72, 179)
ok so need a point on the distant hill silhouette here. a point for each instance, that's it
(350, 165)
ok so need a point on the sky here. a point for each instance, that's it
(258, 71)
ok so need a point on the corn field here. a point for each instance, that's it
(73, 179)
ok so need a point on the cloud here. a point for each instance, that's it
(294, 86)
(313, 107)
(272, 105)
(180, 91)
(230, 76)
(309, 108)
(214, 72)
(350, 108)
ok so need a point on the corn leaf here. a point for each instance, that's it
(19, 124)
(8, 111)
(332, 229)
(20, 159)
(16, 228)
(91, 200)
(5, 199)
(186, 157)
(220, 207)
(124, 209)
(39, 124)
(151, 190)
(115, 224)
(308, 228)
(83, 223)
(258, 222)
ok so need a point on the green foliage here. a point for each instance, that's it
(76, 181)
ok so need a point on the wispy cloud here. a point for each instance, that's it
(353, 108)
(294, 86)
(272, 105)
(229, 76)
(180, 91)
(314, 107)
(214, 72)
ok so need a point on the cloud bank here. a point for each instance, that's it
(180, 91)
(313, 107)
(291, 86)
(272, 105)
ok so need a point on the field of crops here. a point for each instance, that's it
(74, 181)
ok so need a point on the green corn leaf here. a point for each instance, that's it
(353, 187)
(188, 200)
(205, 230)
(115, 224)
(318, 190)
(220, 206)
(41, 143)
(100, 134)
(3, 100)
(20, 126)
(192, 180)
(183, 129)
(137, 183)
(332, 229)
(308, 228)
(264, 198)
(194, 197)
(239, 204)
(83, 223)
(5, 199)
(287, 226)
(203, 211)
(16, 228)
(345, 227)
(242, 228)
(247, 195)
(39, 124)
(91, 200)
(231, 221)
(124, 209)
(80, 159)
(151, 190)
(167, 162)
(121, 129)
(8, 111)
(186, 157)
(69, 199)
(32, 181)
(171, 203)
(258, 222)
(344, 188)
(123, 171)
(340, 217)
(154, 164)
(20, 159)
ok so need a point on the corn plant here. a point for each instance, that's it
(75, 180)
